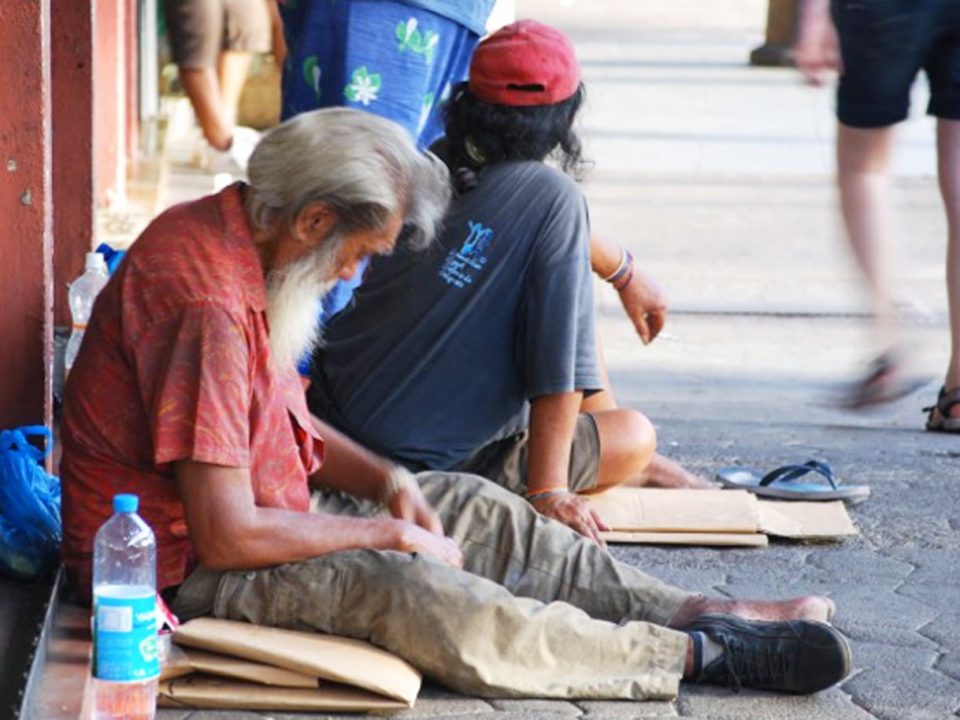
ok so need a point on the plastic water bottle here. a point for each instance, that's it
(83, 291)
(125, 661)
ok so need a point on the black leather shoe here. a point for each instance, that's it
(794, 656)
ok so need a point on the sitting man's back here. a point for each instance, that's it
(442, 349)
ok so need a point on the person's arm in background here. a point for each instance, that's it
(278, 40)
(816, 51)
(552, 422)
(642, 298)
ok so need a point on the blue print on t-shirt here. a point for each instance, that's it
(461, 266)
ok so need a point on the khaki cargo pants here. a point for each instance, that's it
(537, 610)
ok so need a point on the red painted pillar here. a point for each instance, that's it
(110, 100)
(26, 237)
(73, 157)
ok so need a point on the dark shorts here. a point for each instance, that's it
(505, 461)
(199, 30)
(884, 45)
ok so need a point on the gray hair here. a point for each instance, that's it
(364, 166)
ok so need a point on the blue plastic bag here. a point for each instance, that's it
(30, 528)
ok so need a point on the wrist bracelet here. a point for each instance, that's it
(626, 269)
(399, 478)
(620, 266)
(533, 497)
(621, 283)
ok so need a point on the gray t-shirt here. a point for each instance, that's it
(442, 349)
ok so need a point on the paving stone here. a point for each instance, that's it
(949, 665)
(614, 710)
(935, 595)
(933, 566)
(899, 683)
(867, 612)
(717, 702)
(545, 707)
(449, 706)
(862, 566)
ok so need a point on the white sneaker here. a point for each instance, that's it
(233, 160)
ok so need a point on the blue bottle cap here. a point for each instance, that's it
(125, 503)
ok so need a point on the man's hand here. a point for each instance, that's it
(574, 512)
(646, 306)
(409, 504)
(414, 539)
(817, 50)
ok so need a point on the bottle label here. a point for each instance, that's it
(125, 637)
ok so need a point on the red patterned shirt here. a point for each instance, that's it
(176, 365)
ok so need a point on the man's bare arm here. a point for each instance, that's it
(552, 422)
(348, 466)
(230, 532)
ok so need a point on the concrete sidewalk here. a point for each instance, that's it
(719, 178)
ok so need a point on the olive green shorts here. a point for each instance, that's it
(505, 461)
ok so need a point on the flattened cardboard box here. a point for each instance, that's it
(268, 669)
(715, 517)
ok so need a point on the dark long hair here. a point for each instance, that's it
(480, 133)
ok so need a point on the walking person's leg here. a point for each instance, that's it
(863, 162)
(946, 414)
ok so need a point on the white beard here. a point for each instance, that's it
(294, 293)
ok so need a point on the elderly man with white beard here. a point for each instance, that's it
(185, 393)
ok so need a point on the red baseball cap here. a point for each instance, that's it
(524, 64)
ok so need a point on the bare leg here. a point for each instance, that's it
(948, 156)
(232, 68)
(863, 160)
(806, 607)
(203, 91)
(628, 443)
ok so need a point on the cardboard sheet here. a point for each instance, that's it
(336, 659)
(715, 517)
(806, 520)
(662, 510)
(210, 692)
(190, 660)
(686, 538)
(689, 538)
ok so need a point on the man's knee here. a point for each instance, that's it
(641, 434)
(628, 442)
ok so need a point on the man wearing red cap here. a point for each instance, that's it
(481, 356)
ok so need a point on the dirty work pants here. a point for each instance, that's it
(537, 611)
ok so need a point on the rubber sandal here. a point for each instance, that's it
(782, 482)
(883, 382)
(938, 419)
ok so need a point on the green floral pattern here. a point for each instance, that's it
(364, 86)
(311, 73)
(421, 43)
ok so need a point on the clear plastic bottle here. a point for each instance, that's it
(83, 291)
(125, 661)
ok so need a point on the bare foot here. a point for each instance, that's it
(806, 607)
(665, 473)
